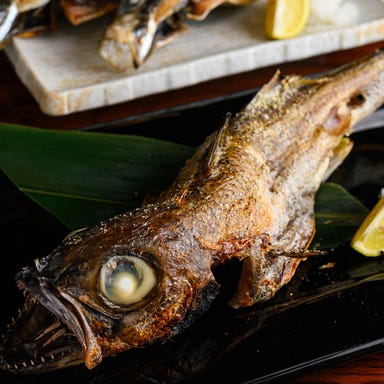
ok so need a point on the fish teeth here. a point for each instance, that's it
(19, 365)
(13, 320)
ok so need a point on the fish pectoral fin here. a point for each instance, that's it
(265, 273)
(342, 150)
(247, 289)
(296, 254)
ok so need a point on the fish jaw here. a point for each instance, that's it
(51, 331)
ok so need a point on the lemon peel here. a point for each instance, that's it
(286, 18)
(369, 238)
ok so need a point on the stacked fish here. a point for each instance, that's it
(137, 26)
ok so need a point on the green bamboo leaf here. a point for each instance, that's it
(83, 177)
(338, 216)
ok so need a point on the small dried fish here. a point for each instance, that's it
(138, 26)
(247, 193)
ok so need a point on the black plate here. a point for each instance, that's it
(330, 312)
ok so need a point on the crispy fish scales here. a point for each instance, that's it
(247, 193)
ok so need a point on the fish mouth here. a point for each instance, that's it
(50, 332)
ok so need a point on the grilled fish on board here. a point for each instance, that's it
(138, 26)
(247, 193)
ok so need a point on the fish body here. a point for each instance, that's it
(247, 193)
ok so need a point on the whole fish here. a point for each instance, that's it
(247, 193)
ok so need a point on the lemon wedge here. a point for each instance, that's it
(369, 238)
(286, 18)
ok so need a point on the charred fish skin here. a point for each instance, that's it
(247, 193)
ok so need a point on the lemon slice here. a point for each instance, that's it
(286, 18)
(369, 238)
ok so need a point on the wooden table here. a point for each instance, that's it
(18, 106)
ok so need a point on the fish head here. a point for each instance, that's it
(104, 290)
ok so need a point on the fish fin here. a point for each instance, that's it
(266, 88)
(263, 96)
(261, 277)
(248, 288)
(297, 254)
(264, 273)
(214, 152)
(342, 150)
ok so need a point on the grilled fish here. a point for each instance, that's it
(247, 193)
(137, 28)
(23, 18)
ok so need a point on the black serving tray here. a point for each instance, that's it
(330, 312)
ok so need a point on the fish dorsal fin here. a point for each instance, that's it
(271, 83)
(217, 144)
(268, 87)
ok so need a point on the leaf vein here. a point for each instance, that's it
(72, 196)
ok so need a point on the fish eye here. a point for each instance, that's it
(126, 279)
